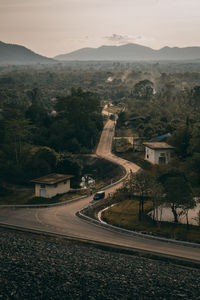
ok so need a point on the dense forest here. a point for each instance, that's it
(46, 119)
(37, 138)
(169, 104)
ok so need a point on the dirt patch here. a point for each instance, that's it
(137, 158)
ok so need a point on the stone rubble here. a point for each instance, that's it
(34, 267)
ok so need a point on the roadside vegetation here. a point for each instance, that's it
(47, 120)
(143, 193)
(125, 214)
(35, 142)
(164, 104)
(101, 170)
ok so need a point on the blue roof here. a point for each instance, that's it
(161, 137)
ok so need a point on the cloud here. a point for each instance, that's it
(119, 39)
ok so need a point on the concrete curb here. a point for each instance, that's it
(81, 215)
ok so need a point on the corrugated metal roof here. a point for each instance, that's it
(160, 138)
(52, 178)
(158, 145)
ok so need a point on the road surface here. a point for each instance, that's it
(62, 219)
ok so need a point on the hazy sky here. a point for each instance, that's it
(52, 27)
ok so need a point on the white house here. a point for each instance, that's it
(50, 185)
(158, 152)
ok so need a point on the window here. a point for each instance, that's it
(42, 186)
(65, 181)
(147, 155)
(162, 154)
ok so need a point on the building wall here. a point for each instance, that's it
(153, 155)
(49, 191)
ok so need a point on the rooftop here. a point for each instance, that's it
(158, 145)
(161, 138)
(52, 178)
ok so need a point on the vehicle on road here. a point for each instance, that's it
(99, 195)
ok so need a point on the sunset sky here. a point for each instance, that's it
(51, 27)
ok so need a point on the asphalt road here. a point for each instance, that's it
(62, 219)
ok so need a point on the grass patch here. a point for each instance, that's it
(22, 195)
(17, 195)
(58, 198)
(123, 132)
(125, 215)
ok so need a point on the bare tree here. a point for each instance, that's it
(140, 185)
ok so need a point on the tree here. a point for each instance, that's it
(194, 143)
(18, 134)
(80, 116)
(143, 90)
(196, 95)
(178, 193)
(139, 184)
(181, 141)
(68, 164)
(156, 194)
(41, 161)
(193, 169)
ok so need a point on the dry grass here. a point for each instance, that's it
(125, 214)
(123, 132)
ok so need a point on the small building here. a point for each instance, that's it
(158, 152)
(51, 185)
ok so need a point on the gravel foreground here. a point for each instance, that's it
(47, 268)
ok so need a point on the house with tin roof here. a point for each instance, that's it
(51, 185)
(158, 152)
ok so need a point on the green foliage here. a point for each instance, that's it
(78, 122)
(41, 161)
(177, 190)
(122, 117)
(181, 141)
(122, 145)
(30, 137)
(143, 90)
(68, 164)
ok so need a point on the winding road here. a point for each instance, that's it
(63, 219)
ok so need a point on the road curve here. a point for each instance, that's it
(63, 219)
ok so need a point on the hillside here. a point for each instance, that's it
(16, 54)
(132, 52)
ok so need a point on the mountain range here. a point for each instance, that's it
(20, 55)
(132, 52)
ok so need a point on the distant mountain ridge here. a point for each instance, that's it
(17, 55)
(132, 52)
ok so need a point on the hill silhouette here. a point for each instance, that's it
(132, 52)
(16, 54)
